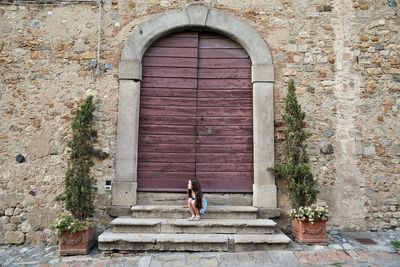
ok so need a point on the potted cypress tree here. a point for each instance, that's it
(308, 219)
(75, 229)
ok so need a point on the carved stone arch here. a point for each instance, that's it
(130, 75)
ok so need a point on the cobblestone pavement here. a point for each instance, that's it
(343, 250)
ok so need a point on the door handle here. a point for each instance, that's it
(205, 133)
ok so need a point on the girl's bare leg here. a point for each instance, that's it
(196, 211)
(191, 209)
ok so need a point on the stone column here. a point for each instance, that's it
(125, 183)
(264, 188)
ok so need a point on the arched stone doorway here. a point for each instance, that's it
(262, 78)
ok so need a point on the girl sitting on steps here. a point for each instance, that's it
(196, 203)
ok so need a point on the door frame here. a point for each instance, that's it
(194, 17)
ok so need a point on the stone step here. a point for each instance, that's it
(109, 241)
(180, 212)
(204, 226)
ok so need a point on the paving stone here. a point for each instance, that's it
(47, 256)
(335, 246)
(124, 261)
(318, 247)
(144, 261)
(228, 260)
(208, 262)
(285, 258)
(347, 246)
(262, 258)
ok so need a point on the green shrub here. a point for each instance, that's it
(80, 185)
(294, 165)
(396, 244)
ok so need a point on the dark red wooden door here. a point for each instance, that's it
(196, 115)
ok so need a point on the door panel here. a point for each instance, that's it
(196, 115)
(223, 66)
(166, 151)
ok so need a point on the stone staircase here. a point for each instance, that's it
(162, 228)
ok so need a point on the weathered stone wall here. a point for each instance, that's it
(344, 56)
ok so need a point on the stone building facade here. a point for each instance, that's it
(344, 56)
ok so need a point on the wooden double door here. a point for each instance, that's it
(196, 115)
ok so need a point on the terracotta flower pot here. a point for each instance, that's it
(78, 243)
(306, 232)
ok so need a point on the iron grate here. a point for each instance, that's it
(366, 241)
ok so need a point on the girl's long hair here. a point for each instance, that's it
(196, 188)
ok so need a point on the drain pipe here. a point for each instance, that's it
(100, 4)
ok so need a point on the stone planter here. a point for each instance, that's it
(307, 233)
(78, 243)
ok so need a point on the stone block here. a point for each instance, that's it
(117, 211)
(261, 242)
(210, 262)
(179, 212)
(369, 151)
(16, 219)
(264, 213)
(25, 227)
(124, 193)
(326, 149)
(328, 133)
(9, 212)
(39, 218)
(14, 237)
(263, 73)
(10, 226)
(89, 55)
(197, 15)
(130, 70)
(263, 132)
(79, 47)
(127, 131)
(35, 237)
(39, 145)
(18, 211)
(264, 196)
(24, 215)
(183, 226)
(4, 220)
(394, 223)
